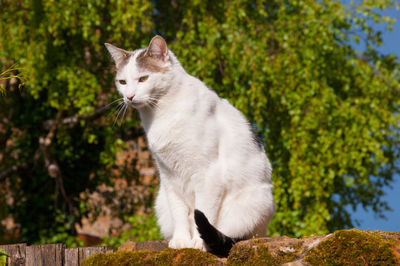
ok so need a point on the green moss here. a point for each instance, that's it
(283, 257)
(258, 255)
(183, 257)
(353, 247)
(166, 257)
(239, 255)
(345, 247)
(120, 258)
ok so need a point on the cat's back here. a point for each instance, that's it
(237, 144)
(203, 127)
(218, 117)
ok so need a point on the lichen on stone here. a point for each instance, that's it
(166, 257)
(258, 255)
(354, 247)
(345, 247)
(184, 256)
(120, 258)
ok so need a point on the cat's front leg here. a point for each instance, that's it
(197, 241)
(181, 237)
(210, 192)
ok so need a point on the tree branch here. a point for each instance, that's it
(12, 170)
(73, 120)
(51, 164)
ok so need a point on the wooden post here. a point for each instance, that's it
(16, 254)
(75, 256)
(49, 255)
(45, 255)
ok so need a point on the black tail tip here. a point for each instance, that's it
(200, 218)
(217, 243)
(198, 214)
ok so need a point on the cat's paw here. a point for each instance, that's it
(198, 243)
(178, 243)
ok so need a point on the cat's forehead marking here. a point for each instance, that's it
(150, 63)
(126, 61)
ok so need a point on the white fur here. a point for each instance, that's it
(205, 153)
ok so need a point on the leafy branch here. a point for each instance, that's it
(12, 72)
(3, 257)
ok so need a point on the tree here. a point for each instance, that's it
(56, 138)
(328, 114)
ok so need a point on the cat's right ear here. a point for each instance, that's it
(119, 55)
(158, 49)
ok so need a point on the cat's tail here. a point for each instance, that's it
(217, 243)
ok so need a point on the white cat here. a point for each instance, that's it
(208, 157)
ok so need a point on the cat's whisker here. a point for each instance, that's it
(118, 108)
(123, 115)
(152, 105)
(153, 102)
(115, 108)
(119, 112)
(119, 99)
(116, 112)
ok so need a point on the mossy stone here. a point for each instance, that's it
(354, 247)
(344, 247)
(258, 255)
(184, 256)
(122, 258)
(166, 257)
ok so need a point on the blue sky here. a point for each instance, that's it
(368, 220)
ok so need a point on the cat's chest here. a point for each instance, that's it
(174, 149)
(183, 136)
(178, 146)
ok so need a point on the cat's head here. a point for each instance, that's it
(143, 75)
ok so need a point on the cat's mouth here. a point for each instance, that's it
(143, 102)
(137, 104)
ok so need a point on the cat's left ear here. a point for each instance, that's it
(119, 55)
(158, 49)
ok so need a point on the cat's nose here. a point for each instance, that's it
(130, 97)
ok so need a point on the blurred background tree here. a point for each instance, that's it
(328, 114)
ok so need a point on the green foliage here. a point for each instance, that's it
(60, 234)
(9, 74)
(328, 114)
(143, 228)
(68, 72)
(3, 257)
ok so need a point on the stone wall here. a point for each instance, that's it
(344, 247)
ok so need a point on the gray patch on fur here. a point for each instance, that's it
(123, 63)
(256, 139)
(212, 108)
(150, 62)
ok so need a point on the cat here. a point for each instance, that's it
(215, 178)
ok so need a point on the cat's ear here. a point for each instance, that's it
(158, 49)
(119, 55)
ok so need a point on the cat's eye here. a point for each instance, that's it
(143, 79)
(122, 82)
